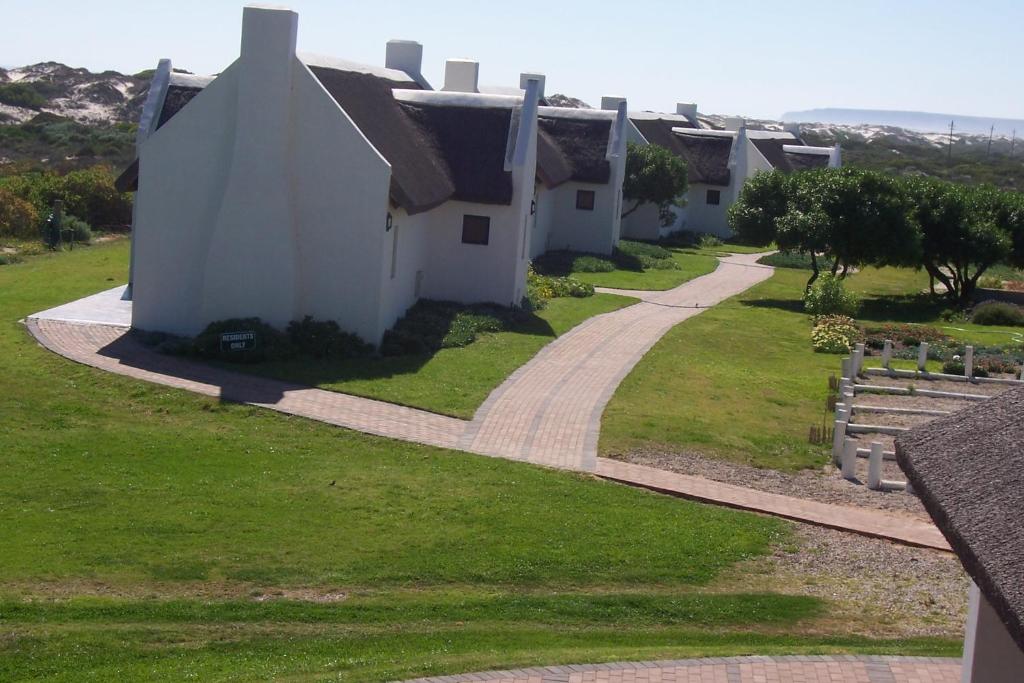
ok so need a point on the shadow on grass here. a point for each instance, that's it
(911, 308)
(791, 305)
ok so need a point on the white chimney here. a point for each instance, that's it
(792, 128)
(687, 109)
(611, 102)
(404, 55)
(461, 75)
(735, 123)
(835, 157)
(525, 78)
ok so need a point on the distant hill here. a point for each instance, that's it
(925, 122)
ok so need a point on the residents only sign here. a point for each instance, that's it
(237, 341)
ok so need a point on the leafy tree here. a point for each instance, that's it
(89, 194)
(18, 218)
(654, 175)
(763, 199)
(961, 232)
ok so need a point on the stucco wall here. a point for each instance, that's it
(412, 234)
(183, 168)
(577, 229)
(704, 217)
(338, 200)
(990, 654)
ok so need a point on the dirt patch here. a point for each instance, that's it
(303, 594)
(983, 388)
(823, 485)
(874, 587)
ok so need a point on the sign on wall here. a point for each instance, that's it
(237, 341)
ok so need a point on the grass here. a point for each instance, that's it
(453, 381)
(155, 534)
(741, 382)
(691, 265)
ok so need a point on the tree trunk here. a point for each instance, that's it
(936, 274)
(835, 266)
(842, 275)
(635, 207)
(815, 273)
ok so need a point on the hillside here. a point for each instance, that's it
(56, 116)
(925, 122)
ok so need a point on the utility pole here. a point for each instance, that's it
(950, 142)
(1013, 141)
(990, 131)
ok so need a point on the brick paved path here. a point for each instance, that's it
(798, 669)
(547, 412)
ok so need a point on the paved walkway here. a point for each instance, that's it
(547, 412)
(802, 669)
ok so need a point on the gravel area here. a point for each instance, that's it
(824, 485)
(878, 587)
(986, 388)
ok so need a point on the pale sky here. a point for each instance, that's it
(757, 59)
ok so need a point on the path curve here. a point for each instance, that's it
(547, 412)
(809, 669)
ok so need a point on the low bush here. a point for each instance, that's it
(562, 263)
(592, 264)
(643, 249)
(999, 364)
(709, 242)
(682, 238)
(18, 218)
(8, 259)
(828, 296)
(324, 339)
(989, 282)
(269, 344)
(834, 333)
(639, 256)
(75, 228)
(433, 325)
(902, 334)
(997, 313)
(957, 367)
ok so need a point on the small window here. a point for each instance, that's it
(585, 200)
(476, 229)
(714, 197)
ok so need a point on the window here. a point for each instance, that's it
(476, 229)
(714, 197)
(585, 200)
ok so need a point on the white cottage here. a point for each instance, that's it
(294, 185)
(719, 163)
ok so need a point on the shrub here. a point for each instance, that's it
(433, 325)
(828, 296)
(324, 339)
(18, 218)
(79, 230)
(990, 282)
(652, 251)
(640, 256)
(997, 313)
(89, 194)
(904, 334)
(592, 264)
(709, 242)
(999, 364)
(270, 343)
(8, 259)
(21, 95)
(833, 333)
(957, 367)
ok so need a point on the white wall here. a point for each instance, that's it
(704, 217)
(563, 226)
(183, 168)
(990, 653)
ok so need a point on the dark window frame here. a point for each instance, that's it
(716, 194)
(472, 222)
(591, 200)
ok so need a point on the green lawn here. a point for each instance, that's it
(741, 381)
(691, 264)
(452, 381)
(144, 526)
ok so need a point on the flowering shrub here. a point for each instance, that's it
(828, 296)
(833, 333)
(903, 334)
(540, 288)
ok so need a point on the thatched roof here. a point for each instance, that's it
(968, 469)
(553, 167)
(804, 162)
(773, 150)
(437, 151)
(471, 143)
(707, 157)
(583, 143)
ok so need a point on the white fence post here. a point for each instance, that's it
(838, 434)
(875, 466)
(858, 366)
(887, 354)
(922, 356)
(844, 373)
(850, 459)
(969, 362)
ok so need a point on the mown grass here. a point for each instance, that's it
(691, 264)
(741, 380)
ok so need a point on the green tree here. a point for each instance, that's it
(960, 230)
(763, 200)
(654, 175)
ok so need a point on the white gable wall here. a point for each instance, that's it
(566, 227)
